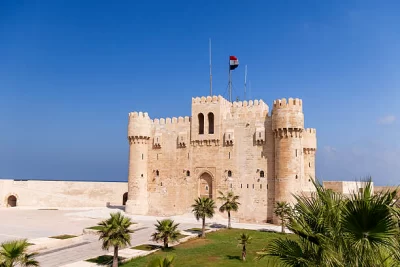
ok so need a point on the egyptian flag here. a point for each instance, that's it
(233, 62)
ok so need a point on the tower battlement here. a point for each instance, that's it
(139, 125)
(210, 99)
(310, 139)
(291, 103)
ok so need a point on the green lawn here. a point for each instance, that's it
(63, 236)
(220, 248)
(146, 247)
(97, 227)
(104, 260)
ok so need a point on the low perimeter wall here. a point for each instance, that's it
(32, 193)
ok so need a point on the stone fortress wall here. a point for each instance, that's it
(56, 194)
(223, 146)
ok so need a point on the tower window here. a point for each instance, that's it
(296, 176)
(161, 183)
(253, 186)
(210, 123)
(296, 152)
(142, 156)
(262, 174)
(259, 134)
(187, 173)
(141, 175)
(157, 172)
(309, 164)
(267, 186)
(260, 186)
(241, 186)
(229, 173)
(229, 155)
(201, 123)
(206, 187)
(247, 185)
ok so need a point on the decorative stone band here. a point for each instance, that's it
(212, 142)
(309, 150)
(138, 139)
(288, 132)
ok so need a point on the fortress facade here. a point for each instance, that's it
(262, 157)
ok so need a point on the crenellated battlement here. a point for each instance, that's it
(138, 115)
(210, 99)
(291, 103)
(310, 139)
(174, 120)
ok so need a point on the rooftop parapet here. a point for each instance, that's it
(174, 120)
(210, 99)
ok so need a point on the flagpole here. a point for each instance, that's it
(245, 79)
(210, 68)
(230, 85)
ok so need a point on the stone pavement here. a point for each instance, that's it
(38, 225)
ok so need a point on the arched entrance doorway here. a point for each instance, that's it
(124, 198)
(205, 184)
(11, 201)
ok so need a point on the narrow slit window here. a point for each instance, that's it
(309, 164)
(253, 186)
(247, 185)
(262, 174)
(157, 173)
(187, 173)
(260, 186)
(142, 156)
(296, 152)
(201, 123)
(241, 185)
(210, 123)
(229, 173)
(229, 155)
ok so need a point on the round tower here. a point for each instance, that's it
(139, 129)
(288, 125)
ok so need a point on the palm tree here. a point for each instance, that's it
(162, 262)
(282, 210)
(244, 240)
(166, 231)
(335, 230)
(202, 208)
(115, 232)
(15, 253)
(230, 203)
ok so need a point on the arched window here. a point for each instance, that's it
(201, 123)
(187, 173)
(157, 172)
(229, 173)
(210, 123)
(262, 174)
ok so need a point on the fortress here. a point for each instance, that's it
(239, 146)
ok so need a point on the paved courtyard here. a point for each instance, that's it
(38, 225)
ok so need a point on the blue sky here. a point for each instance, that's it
(70, 71)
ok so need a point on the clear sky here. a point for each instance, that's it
(70, 71)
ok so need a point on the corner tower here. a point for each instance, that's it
(288, 125)
(139, 131)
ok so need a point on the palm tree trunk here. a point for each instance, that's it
(244, 253)
(115, 259)
(229, 220)
(165, 242)
(203, 229)
(283, 225)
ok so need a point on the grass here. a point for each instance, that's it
(146, 247)
(195, 230)
(104, 260)
(219, 248)
(180, 236)
(63, 236)
(97, 227)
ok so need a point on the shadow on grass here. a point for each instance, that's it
(147, 247)
(104, 260)
(233, 257)
(218, 225)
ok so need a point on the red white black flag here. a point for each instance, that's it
(233, 62)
